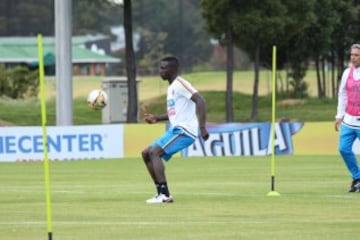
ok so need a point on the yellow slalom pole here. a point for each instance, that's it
(44, 133)
(273, 122)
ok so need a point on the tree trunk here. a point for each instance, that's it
(229, 73)
(255, 96)
(180, 31)
(287, 78)
(318, 77)
(323, 77)
(132, 106)
(333, 84)
(229, 81)
(340, 65)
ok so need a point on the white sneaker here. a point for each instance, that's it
(160, 198)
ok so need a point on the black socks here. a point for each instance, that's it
(162, 188)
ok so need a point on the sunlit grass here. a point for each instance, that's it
(215, 198)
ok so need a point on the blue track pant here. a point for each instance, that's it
(347, 137)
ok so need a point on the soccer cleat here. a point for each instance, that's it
(160, 198)
(355, 185)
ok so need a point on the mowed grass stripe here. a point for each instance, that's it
(215, 198)
(172, 223)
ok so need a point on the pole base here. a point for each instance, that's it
(273, 194)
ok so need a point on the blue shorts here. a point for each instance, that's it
(174, 140)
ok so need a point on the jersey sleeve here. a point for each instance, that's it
(342, 95)
(184, 88)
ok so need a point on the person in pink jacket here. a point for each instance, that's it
(348, 115)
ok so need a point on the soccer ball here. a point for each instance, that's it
(97, 99)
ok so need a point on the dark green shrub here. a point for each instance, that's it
(18, 82)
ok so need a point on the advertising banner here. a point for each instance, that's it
(319, 138)
(248, 139)
(64, 143)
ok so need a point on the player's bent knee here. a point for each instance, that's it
(145, 154)
(155, 152)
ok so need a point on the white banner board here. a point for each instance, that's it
(64, 142)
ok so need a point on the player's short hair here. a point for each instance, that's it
(172, 60)
(355, 45)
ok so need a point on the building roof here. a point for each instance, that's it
(25, 50)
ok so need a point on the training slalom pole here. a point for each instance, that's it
(273, 122)
(44, 133)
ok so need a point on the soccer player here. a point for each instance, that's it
(348, 115)
(186, 112)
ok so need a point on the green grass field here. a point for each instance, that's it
(216, 198)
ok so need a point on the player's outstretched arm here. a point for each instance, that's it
(151, 118)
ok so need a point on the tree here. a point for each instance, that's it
(328, 28)
(253, 27)
(222, 28)
(229, 65)
(95, 16)
(319, 44)
(26, 18)
(345, 32)
(18, 82)
(181, 21)
(257, 22)
(153, 44)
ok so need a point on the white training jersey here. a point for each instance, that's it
(181, 110)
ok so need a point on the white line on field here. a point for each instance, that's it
(135, 223)
(192, 223)
(120, 191)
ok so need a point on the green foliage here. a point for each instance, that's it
(18, 82)
(296, 75)
(181, 20)
(298, 89)
(153, 46)
(24, 18)
(252, 22)
(312, 42)
(303, 31)
(94, 16)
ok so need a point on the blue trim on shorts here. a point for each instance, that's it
(174, 140)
